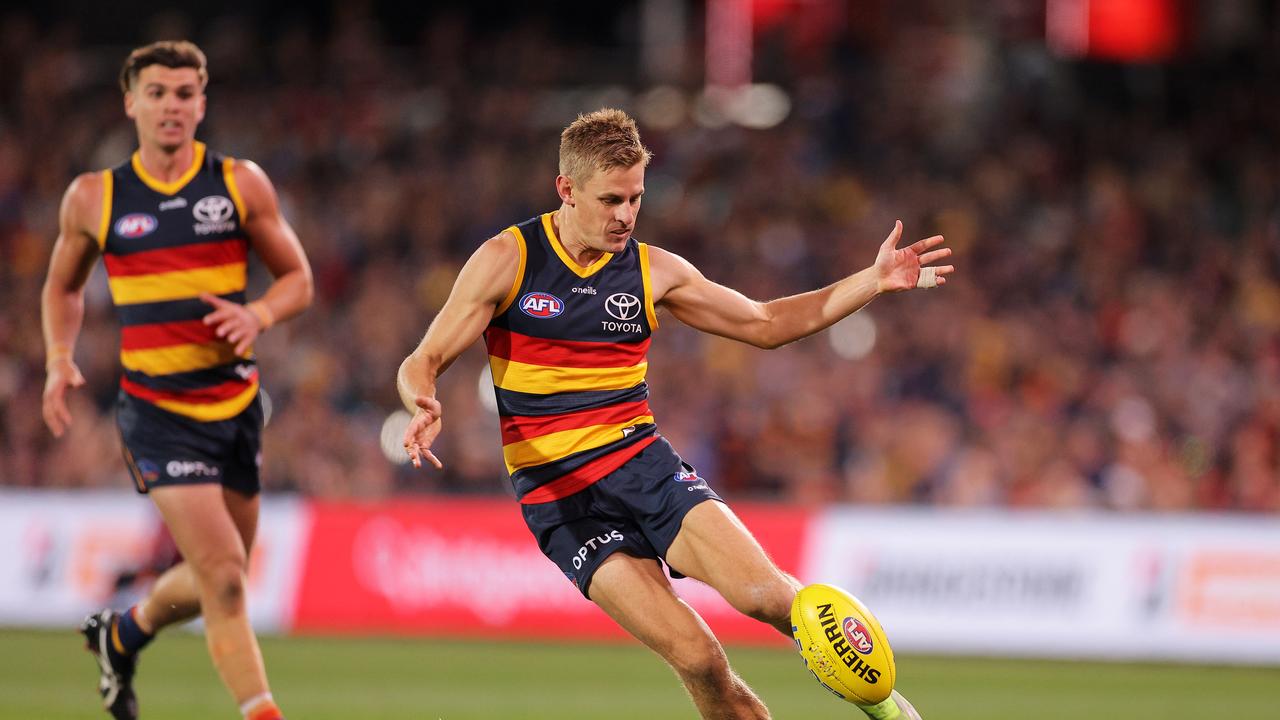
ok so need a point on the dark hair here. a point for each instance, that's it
(169, 53)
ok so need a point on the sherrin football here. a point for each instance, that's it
(842, 644)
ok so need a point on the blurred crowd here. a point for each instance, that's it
(1111, 338)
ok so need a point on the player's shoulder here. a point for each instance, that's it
(505, 247)
(82, 202)
(492, 269)
(667, 261)
(87, 185)
(252, 186)
(248, 174)
(668, 271)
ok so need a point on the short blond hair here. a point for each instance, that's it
(601, 140)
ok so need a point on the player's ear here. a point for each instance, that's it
(200, 107)
(128, 105)
(564, 188)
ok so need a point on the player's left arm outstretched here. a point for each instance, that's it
(276, 244)
(714, 308)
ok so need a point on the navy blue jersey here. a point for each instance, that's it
(163, 245)
(568, 352)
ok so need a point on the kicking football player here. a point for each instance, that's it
(174, 225)
(566, 303)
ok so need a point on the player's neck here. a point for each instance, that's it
(577, 249)
(166, 166)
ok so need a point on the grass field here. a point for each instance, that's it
(47, 676)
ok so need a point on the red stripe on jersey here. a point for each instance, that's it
(566, 485)
(210, 394)
(154, 335)
(522, 427)
(511, 345)
(182, 257)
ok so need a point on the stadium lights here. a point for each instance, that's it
(853, 337)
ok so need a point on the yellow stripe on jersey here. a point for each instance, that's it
(212, 412)
(648, 287)
(178, 284)
(548, 448)
(575, 268)
(105, 223)
(169, 188)
(229, 177)
(515, 287)
(545, 379)
(178, 358)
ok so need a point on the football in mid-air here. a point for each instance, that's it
(843, 644)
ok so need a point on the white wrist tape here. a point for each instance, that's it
(928, 278)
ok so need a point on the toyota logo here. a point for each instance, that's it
(623, 306)
(212, 209)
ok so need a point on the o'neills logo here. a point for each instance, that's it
(835, 633)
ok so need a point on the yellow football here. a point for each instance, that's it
(842, 644)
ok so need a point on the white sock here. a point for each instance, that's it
(248, 706)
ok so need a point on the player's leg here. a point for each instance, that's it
(714, 546)
(174, 597)
(202, 519)
(636, 594)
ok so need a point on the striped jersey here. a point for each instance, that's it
(568, 353)
(163, 244)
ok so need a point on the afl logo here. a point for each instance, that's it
(148, 470)
(541, 305)
(135, 225)
(858, 636)
(212, 209)
(622, 306)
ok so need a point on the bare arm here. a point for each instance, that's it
(710, 307)
(481, 287)
(62, 298)
(277, 245)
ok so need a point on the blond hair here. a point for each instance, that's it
(170, 54)
(601, 140)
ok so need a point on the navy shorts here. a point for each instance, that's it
(637, 508)
(164, 448)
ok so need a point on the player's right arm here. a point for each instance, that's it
(62, 299)
(483, 284)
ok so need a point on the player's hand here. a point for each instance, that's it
(422, 431)
(62, 375)
(233, 322)
(901, 269)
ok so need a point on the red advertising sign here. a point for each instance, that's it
(470, 568)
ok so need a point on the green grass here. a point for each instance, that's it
(46, 676)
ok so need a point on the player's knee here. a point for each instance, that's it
(222, 582)
(700, 660)
(768, 602)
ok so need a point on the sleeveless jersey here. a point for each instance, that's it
(163, 245)
(568, 353)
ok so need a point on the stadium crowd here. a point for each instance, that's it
(1111, 338)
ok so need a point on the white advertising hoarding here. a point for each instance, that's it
(62, 552)
(1195, 588)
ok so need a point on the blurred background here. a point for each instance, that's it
(1106, 171)
(1110, 340)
